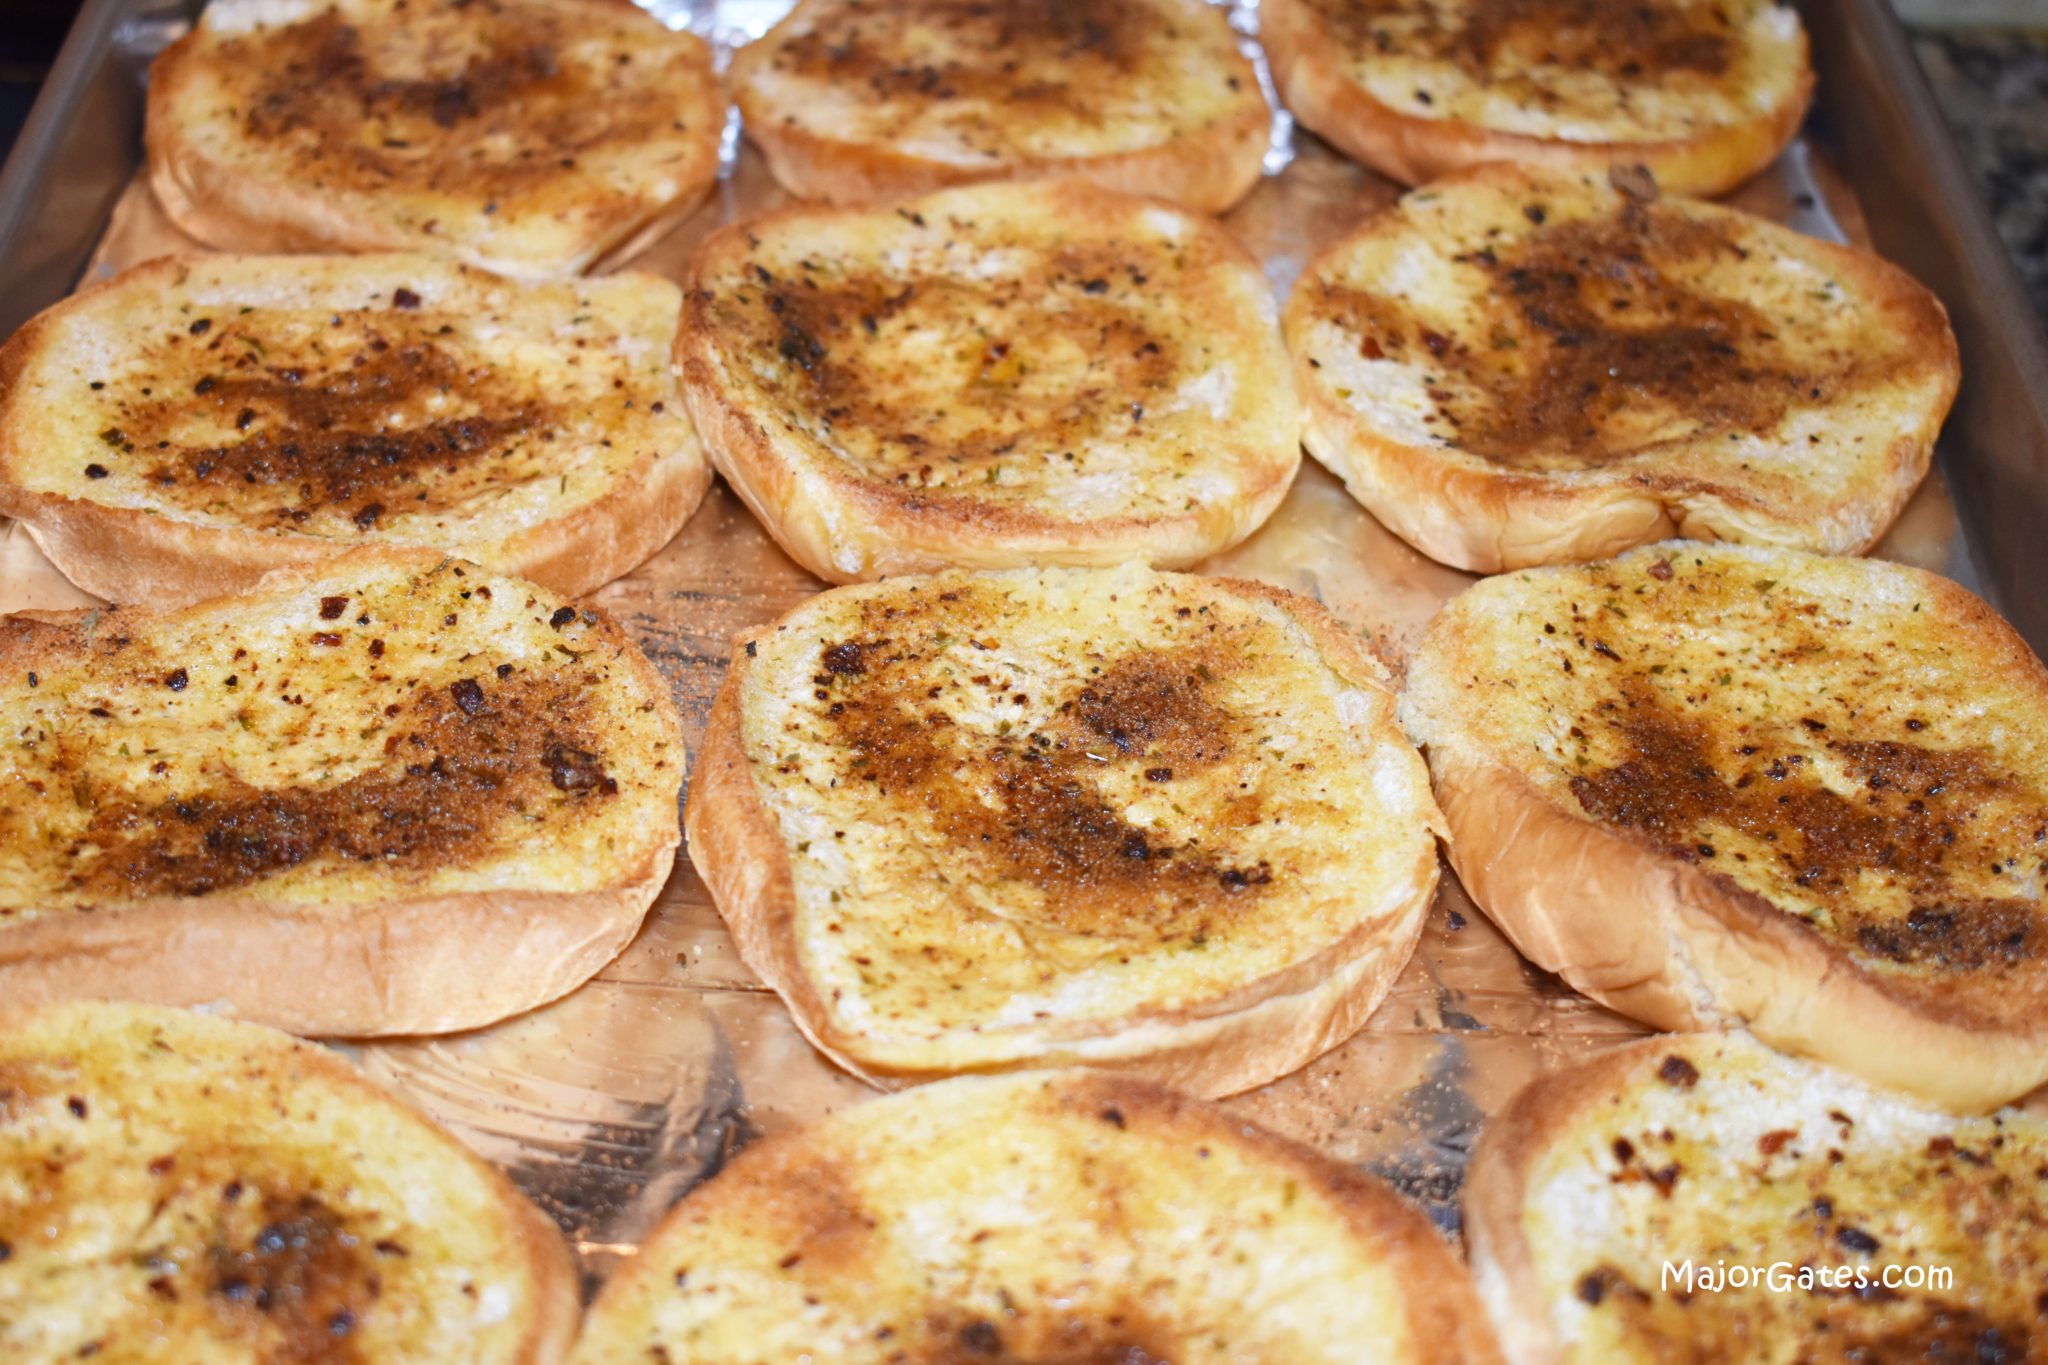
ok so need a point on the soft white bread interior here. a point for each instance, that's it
(393, 795)
(181, 1189)
(1112, 817)
(1723, 786)
(1046, 1216)
(1703, 92)
(1513, 368)
(530, 137)
(852, 100)
(179, 430)
(1044, 372)
(1702, 1198)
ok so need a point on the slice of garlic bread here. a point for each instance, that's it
(1050, 1216)
(1702, 92)
(181, 1189)
(393, 795)
(530, 137)
(174, 433)
(1727, 786)
(1109, 817)
(852, 100)
(1702, 1198)
(1007, 374)
(1512, 369)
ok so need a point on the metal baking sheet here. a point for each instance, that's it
(610, 1104)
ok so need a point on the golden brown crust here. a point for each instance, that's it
(167, 543)
(1099, 1151)
(1309, 67)
(831, 471)
(394, 959)
(255, 122)
(1220, 1042)
(1951, 1011)
(916, 68)
(1715, 401)
(321, 1200)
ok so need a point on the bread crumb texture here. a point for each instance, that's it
(395, 728)
(1858, 743)
(376, 398)
(1719, 1151)
(1573, 70)
(986, 86)
(1046, 1216)
(174, 1188)
(1072, 796)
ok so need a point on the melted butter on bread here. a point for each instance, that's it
(1053, 1217)
(293, 406)
(393, 729)
(528, 136)
(848, 95)
(174, 1187)
(1703, 92)
(1044, 371)
(1022, 809)
(1581, 70)
(1806, 792)
(1511, 367)
(1716, 1152)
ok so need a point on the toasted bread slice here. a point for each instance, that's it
(177, 1188)
(1702, 92)
(529, 137)
(851, 100)
(393, 795)
(1109, 817)
(1702, 1198)
(174, 433)
(1046, 1216)
(1727, 786)
(1512, 369)
(1007, 374)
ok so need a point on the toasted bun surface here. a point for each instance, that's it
(1511, 368)
(1113, 817)
(176, 1188)
(1046, 1216)
(1702, 92)
(1006, 374)
(174, 433)
(1711, 1151)
(530, 137)
(851, 99)
(393, 795)
(1725, 786)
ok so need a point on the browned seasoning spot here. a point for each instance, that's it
(449, 781)
(1918, 814)
(1002, 47)
(329, 438)
(302, 1272)
(1029, 804)
(1501, 40)
(1676, 1070)
(332, 607)
(1606, 347)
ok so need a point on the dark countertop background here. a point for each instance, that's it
(1992, 84)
